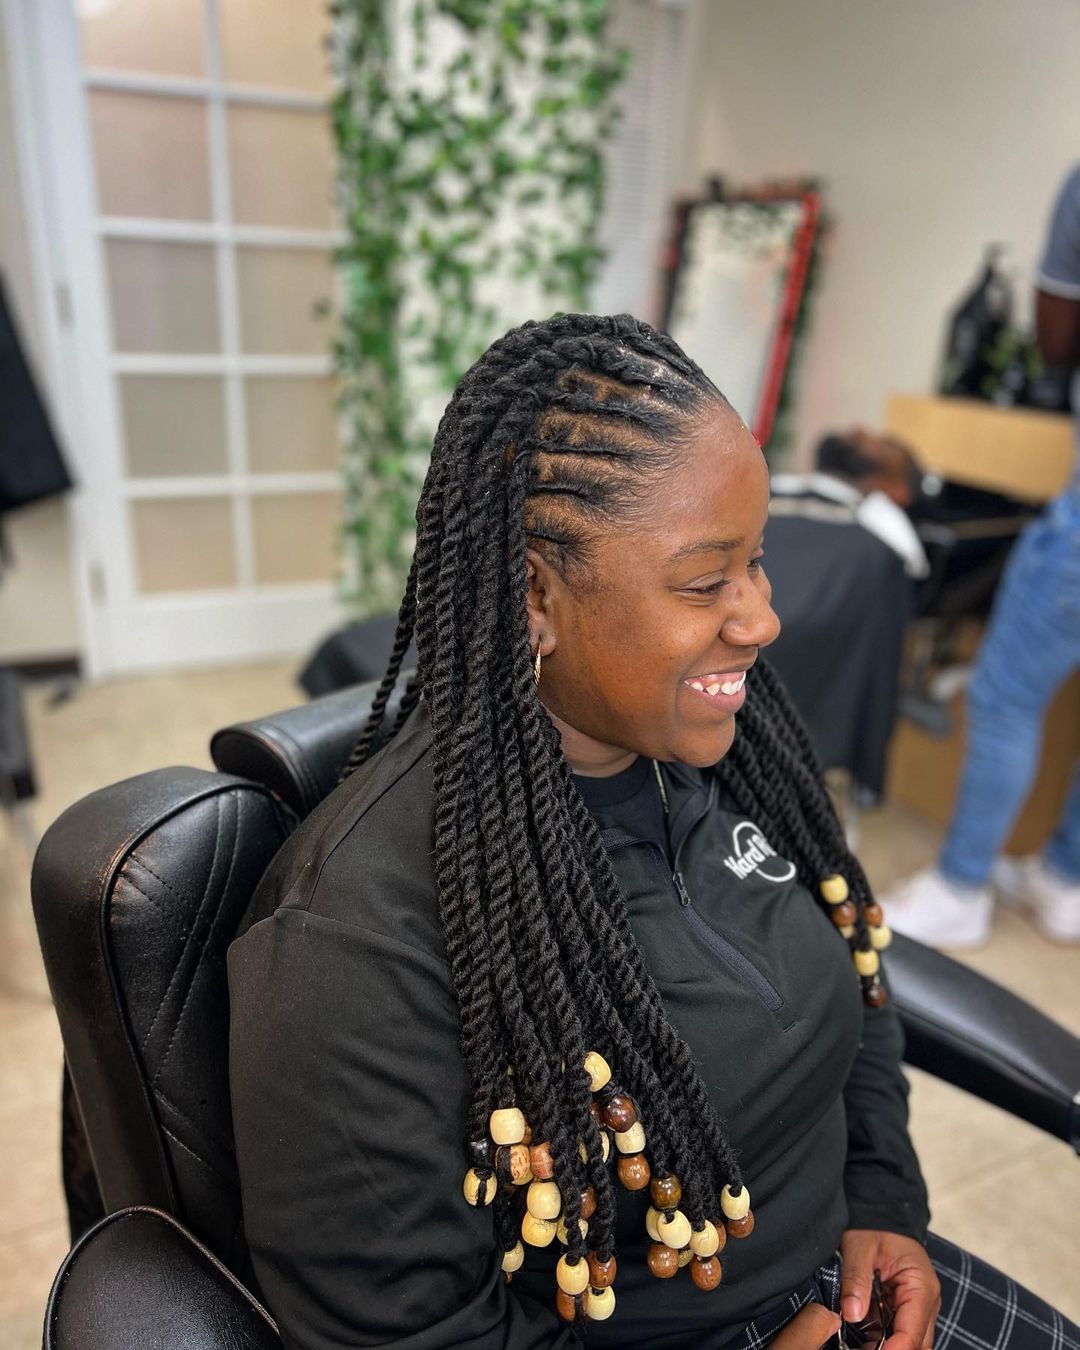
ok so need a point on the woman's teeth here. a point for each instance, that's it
(714, 685)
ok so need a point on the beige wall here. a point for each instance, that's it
(37, 600)
(937, 126)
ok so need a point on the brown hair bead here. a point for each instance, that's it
(634, 1171)
(602, 1273)
(517, 1162)
(588, 1202)
(741, 1228)
(540, 1161)
(843, 915)
(872, 914)
(874, 995)
(619, 1112)
(663, 1261)
(571, 1307)
(706, 1273)
(666, 1191)
(598, 1114)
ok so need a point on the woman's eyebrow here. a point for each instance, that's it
(706, 546)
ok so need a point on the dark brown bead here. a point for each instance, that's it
(598, 1114)
(706, 1273)
(721, 1233)
(740, 1228)
(601, 1273)
(570, 1306)
(875, 995)
(842, 915)
(663, 1261)
(666, 1191)
(540, 1161)
(873, 915)
(634, 1171)
(588, 1202)
(619, 1112)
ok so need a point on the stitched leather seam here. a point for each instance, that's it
(128, 881)
(133, 857)
(229, 1181)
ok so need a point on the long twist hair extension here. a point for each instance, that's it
(555, 434)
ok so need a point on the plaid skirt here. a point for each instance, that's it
(981, 1309)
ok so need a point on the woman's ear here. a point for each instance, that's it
(541, 586)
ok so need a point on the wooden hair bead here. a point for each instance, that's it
(537, 1232)
(540, 1161)
(507, 1126)
(514, 1259)
(634, 1171)
(619, 1112)
(563, 1236)
(663, 1261)
(705, 1242)
(652, 1218)
(517, 1157)
(666, 1191)
(600, 1304)
(843, 915)
(477, 1193)
(571, 1306)
(872, 914)
(631, 1140)
(866, 963)
(598, 1069)
(741, 1228)
(735, 1206)
(848, 931)
(834, 889)
(880, 936)
(685, 1257)
(602, 1273)
(479, 1152)
(875, 995)
(605, 1148)
(572, 1278)
(543, 1200)
(588, 1202)
(675, 1231)
(706, 1273)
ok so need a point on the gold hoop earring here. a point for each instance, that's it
(536, 663)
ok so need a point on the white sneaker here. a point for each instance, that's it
(933, 910)
(1052, 901)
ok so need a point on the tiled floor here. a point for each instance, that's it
(999, 1187)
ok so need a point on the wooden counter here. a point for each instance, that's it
(1024, 454)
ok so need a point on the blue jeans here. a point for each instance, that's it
(1032, 645)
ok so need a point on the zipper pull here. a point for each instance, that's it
(680, 888)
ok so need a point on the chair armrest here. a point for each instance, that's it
(969, 1031)
(139, 1279)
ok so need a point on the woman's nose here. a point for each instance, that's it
(752, 621)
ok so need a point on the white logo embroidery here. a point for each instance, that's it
(754, 853)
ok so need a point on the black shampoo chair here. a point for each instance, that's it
(138, 890)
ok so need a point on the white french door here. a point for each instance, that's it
(186, 175)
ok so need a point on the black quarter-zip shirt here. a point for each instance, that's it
(350, 1096)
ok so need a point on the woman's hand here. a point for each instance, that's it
(913, 1288)
(809, 1329)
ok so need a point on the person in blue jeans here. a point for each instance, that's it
(1032, 646)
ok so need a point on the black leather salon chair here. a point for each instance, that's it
(138, 890)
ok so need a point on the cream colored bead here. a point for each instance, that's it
(514, 1259)
(507, 1126)
(880, 936)
(605, 1148)
(631, 1140)
(543, 1200)
(707, 1242)
(834, 890)
(601, 1304)
(735, 1206)
(598, 1069)
(563, 1236)
(537, 1232)
(652, 1218)
(866, 963)
(572, 1279)
(685, 1257)
(471, 1188)
(674, 1231)
(848, 931)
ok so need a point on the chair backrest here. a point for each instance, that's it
(138, 890)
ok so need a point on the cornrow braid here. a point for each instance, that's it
(555, 433)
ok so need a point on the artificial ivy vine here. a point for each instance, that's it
(471, 139)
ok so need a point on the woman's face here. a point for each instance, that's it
(647, 654)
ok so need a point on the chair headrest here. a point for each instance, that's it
(299, 753)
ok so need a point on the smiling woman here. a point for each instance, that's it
(581, 937)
